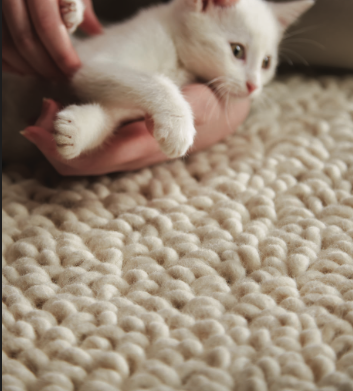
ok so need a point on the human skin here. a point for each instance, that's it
(48, 53)
(133, 146)
(35, 40)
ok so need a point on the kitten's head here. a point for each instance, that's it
(235, 47)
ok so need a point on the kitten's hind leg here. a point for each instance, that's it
(72, 13)
(81, 128)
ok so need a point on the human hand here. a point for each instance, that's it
(226, 3)
(35, 40)
(133, 146)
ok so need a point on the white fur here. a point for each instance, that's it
(79, 128)
(72, 13)
(138, 67)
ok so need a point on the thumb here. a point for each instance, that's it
(47, 116)
(41, 133)
(90, 24)
(42, 139)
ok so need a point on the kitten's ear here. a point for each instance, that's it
(288, 13)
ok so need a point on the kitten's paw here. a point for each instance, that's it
(175, 134)
(68, 134)
(72, 13)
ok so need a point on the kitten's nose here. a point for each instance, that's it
(251, 87)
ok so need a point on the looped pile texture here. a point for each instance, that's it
(230, 270)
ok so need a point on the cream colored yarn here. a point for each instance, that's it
(231, 270)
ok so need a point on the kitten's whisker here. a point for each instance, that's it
(268, 101)
(237, 85)
(222, 93)
(214, 105)
(297, 54)
(227, 112)
(218, 92)
(219, 87)
(289, 61)
(299, 31)
(214, 80)
(308, 41)
(223, 89)
(260, 102)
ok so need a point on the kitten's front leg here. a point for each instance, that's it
(81, 128)
(172, 119)
(155, 95)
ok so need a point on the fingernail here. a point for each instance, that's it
(28, 135)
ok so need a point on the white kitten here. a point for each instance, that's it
(137, 68)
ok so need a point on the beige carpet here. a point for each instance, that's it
(231, 270)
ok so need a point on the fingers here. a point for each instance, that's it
(8, 68)
(41, 133)
(53, 34)
(12, 60)
(46, 144)
(48, 114)
(39, 38)
(43, 140)
(90, 24)
(26, 40)
(214, 120)
(226, 3)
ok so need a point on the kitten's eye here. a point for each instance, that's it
(266, 62)
(238, 50)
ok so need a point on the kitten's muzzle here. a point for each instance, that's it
(251, 87)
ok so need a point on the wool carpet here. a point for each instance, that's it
(229, 270)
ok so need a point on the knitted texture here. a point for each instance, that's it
(229, 270)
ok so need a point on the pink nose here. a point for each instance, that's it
(251, 87)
